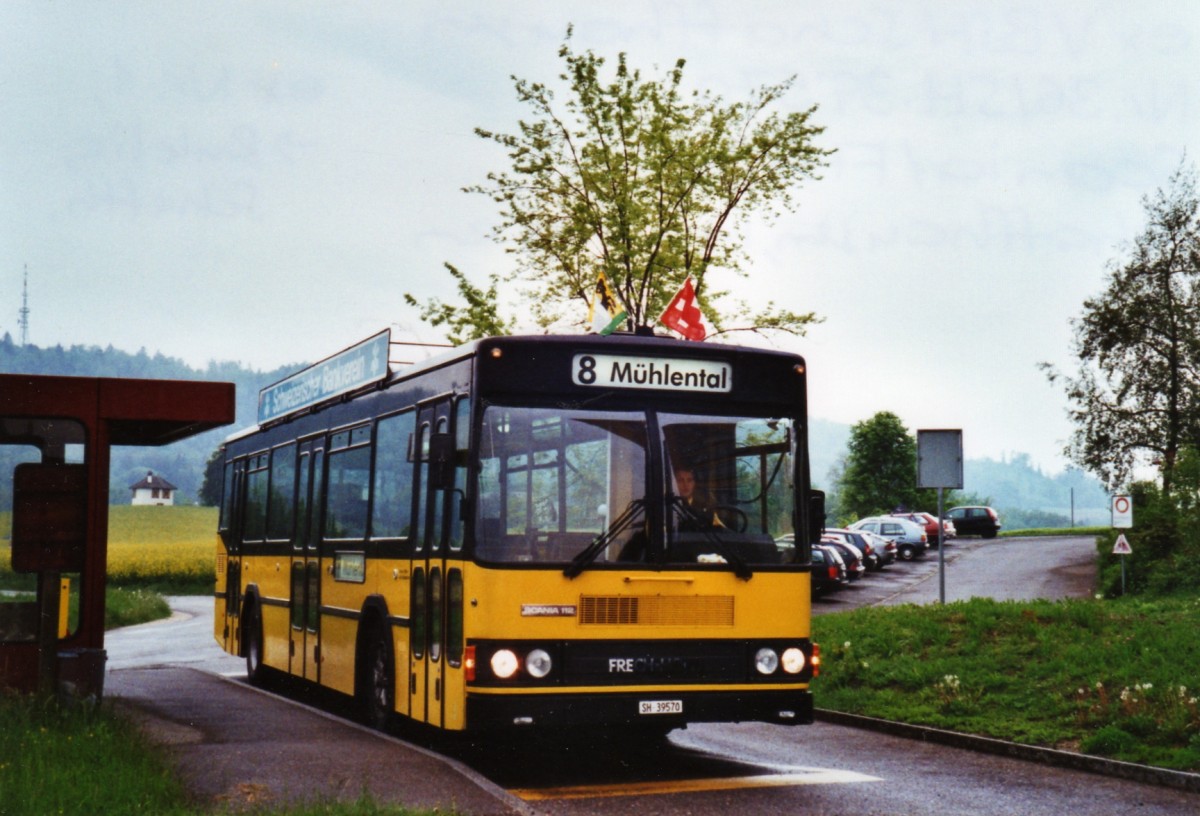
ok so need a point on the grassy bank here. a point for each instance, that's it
(1054, 531)
(1112, 678)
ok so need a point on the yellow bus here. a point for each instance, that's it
(529, 532)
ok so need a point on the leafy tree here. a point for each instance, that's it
(1136, 397)
(880, 473)
(210, 487)
(481, 317)
(644, 182)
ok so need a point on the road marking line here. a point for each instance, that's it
(814, 777)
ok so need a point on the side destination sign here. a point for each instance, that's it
(671, 374)
(353, 368)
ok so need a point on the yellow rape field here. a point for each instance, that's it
(161, 543)
(149, 545)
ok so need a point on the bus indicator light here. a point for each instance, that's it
(469, 664)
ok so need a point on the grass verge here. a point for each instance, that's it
(1111, 678)
(85, 760)
(1054, 531)
(79, 760)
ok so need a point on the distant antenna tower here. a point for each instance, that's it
(23, 322)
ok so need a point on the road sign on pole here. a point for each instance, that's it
(940, 465)
(1122, 512)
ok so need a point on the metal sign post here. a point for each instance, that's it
(1122, 549)
(940, 465)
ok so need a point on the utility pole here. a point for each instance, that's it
(23, 321)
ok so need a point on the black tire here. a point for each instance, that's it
(377, 685)
(908, 552)
(252, 638)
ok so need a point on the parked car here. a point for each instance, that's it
(836, 556)
(909, 536)
(885, 548)
(856, 567)
(980, 521)
(873, 560)
(827, 573)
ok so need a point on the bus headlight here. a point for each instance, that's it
(766, 661)
(793, 660)
(504, 664)
(538, 663)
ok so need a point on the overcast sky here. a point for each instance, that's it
(263, 181)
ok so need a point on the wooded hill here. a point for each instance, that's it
(182, 463)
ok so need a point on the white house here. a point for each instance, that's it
(153, 490)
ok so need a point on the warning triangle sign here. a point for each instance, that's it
(1122, 546)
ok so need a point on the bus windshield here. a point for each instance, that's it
(562, 486)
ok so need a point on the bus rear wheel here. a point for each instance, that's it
(377, 686)
(255, 671)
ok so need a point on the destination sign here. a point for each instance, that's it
(664, 373)
(342, 373)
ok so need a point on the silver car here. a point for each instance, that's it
(909, 536)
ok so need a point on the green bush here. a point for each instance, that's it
(1109, 741)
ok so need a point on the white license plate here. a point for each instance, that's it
(660, 706)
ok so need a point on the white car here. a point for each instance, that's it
(909, 536)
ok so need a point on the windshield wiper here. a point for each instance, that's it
(619, 525)
(726, 549)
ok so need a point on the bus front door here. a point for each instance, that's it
(305, 632)
(427, 618)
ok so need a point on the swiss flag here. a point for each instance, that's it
(683, 315)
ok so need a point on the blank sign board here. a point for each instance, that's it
(940, 459)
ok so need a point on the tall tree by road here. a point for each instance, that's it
(644, 182)
(880, 472)
(1136, 397)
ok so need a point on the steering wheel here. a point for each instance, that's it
(727, 513)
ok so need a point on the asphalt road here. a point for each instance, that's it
(1001, 568)
(766, 769)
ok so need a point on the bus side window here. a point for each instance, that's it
(462, 439)
(254, 509)
(283, 493)
(348, 485)
(393, 490)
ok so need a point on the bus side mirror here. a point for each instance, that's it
(816, 515)
(49, 518)
(441, 461)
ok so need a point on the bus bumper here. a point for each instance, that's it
(785, 707)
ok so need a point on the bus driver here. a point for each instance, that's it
(696, 513)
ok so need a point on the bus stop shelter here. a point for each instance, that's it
(55, 439)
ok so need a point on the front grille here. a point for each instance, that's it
(656, 610)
